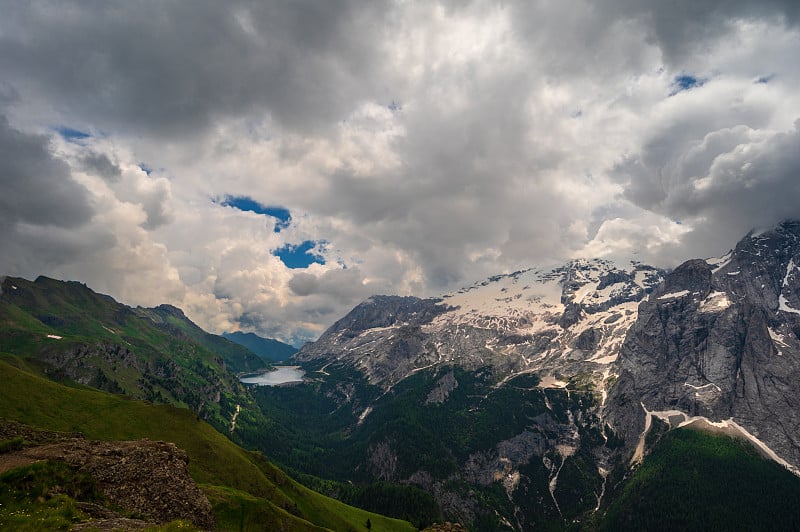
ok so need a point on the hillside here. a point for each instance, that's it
(241, 485)
(697, 480)
(73, 334)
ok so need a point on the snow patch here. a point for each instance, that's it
(789, 269)
(715, 302)
(778, 339)
(783, 305)
(233, 418)
(674, 295)
(55, 336)
(606, 359)
(702, 386)
(719, 262)
(364, 415)
(551, 382)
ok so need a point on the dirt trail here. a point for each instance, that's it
(10, 461)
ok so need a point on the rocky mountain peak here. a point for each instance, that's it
(719, 340)
(534, 320)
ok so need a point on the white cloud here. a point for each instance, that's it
(429, 144)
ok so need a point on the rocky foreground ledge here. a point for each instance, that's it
(146, 478)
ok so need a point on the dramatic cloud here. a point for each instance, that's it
(267, 165)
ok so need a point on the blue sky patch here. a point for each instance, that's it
(301, 255)
(243, 203)
(685, 82)
(72, 135)
(765, 79)
(146, 169)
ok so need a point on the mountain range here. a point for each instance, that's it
(269, 349)
(589, 395)
(602, 353)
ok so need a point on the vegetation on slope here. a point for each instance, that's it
(695, 480)
(73, 334)
(406, 442)
(242, 486)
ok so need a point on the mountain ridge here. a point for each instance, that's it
(268, 349)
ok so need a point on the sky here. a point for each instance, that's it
(267, 165)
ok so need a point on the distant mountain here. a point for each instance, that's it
(268, 349)
(238, 358)
(557, 322)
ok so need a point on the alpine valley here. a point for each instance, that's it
(584, 396)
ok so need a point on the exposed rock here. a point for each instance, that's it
(719, 340)
(442, 390)
(588, 339)
(571, 316)
(149, 478)
(383, 461)
(113, 524)
(11, 429)
(446, 527)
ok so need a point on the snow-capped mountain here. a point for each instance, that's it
(551, 381)
(562, 323)
(715, 341)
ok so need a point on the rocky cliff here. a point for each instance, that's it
(144, 478)
(720, 340)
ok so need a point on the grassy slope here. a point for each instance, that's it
(214, 460)
(177, 362)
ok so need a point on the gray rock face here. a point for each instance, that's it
(568, 320)
(719, 339)
(444, 386)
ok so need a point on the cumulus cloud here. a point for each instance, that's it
(428, 145)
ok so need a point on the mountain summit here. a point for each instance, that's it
(720, 341)
(557, 322)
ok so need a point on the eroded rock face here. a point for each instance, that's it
(444, 386)
(720, 340)
(569, 320)
(150, 478)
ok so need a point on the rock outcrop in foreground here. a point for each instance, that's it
(146, 478)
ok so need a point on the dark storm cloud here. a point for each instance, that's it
(729, 182)
(170, 67)
(498, 157)
(44, 213)
(101, 165)
(37, 188)
(679, 27)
